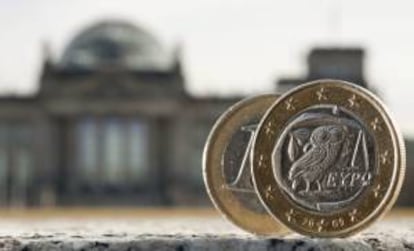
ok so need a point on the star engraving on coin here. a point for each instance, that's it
(352, 102)
(268, 129)
(290, 215)
(378, 190)
(290, 104)
(269, 192)
(260, 161)
(385, 157)
(375, 124)
(321, 94)
(352, 215)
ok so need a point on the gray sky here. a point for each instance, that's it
(228, 46)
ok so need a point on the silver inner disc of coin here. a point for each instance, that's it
(236, 166)
(325, 158)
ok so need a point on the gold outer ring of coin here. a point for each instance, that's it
(390, 157)
(224, 199)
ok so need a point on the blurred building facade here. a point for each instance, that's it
(113, 124)
(336, 63)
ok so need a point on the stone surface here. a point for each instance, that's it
(181, 233)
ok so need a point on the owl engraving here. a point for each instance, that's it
(320, 154)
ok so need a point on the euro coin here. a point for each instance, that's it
(328, 159)
(227, 170)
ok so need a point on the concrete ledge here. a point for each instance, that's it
(183, 234)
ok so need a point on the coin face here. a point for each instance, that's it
(327, 159)
(227, 166)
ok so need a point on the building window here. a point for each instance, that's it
(137, 149)
(87, 139)
(4, 160)
(16, 163)
(22, 158)
(113, 150)
(114, 166)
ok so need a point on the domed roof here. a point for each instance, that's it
(115, 44)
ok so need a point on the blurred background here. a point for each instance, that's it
(108, 103)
